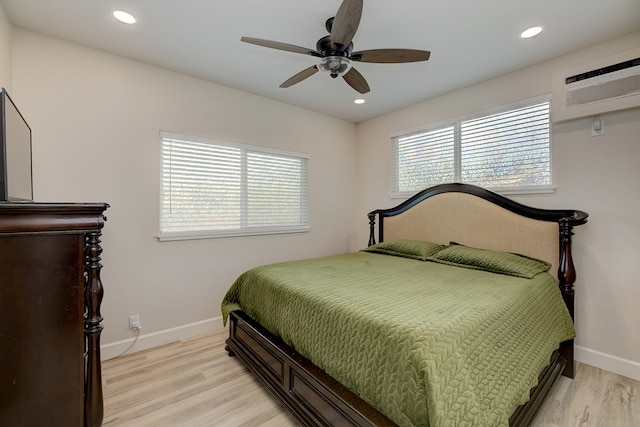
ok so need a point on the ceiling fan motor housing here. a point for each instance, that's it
(325, 47)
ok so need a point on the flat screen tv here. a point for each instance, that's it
(15, 156)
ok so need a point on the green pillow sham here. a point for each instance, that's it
(414, 249)
(511, 264)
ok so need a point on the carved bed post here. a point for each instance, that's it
(93, 292)
(567, 277)
(372, 223)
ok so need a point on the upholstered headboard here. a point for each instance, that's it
(476, 217)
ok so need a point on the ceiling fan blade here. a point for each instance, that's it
(345, 23)
(281, 46)
(391, 56)
(356, 81)
(297, 78)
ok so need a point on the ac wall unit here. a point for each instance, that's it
(601, 86)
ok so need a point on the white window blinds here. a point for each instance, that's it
(503, 151)
(509, 149)
(424, 159)
(214, 189)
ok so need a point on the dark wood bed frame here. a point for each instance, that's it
(316, 399)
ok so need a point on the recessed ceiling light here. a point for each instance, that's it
(531, 32)
(359, 101)
(124, 17)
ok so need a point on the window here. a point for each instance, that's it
(508, 151)
(216, 189)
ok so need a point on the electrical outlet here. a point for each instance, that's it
(134, 322)
(597, 126)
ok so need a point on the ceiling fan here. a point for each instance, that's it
(336, 50)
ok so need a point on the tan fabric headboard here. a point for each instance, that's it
(472, 221)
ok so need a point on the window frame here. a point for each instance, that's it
(456, 123)
(244, 230)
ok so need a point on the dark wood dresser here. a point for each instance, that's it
(50, 321)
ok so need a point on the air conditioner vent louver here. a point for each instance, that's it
(609, 82)
(602, 86)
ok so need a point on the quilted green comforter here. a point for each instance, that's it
(442, 346)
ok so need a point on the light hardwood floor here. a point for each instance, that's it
(193, 383)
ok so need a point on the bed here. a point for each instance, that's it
(460, 314)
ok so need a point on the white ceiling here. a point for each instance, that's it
(470, 41)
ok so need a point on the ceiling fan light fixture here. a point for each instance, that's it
(359, 101)
(335, 65)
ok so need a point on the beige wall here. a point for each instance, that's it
(96, 120)
(5, 50)
(597, 174)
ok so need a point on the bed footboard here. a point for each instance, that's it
(313, 397)
(316, 399)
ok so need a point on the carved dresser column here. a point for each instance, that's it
(93, 292)
(50, 295)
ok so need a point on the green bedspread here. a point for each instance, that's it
(444, 346)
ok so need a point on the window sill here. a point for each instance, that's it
(197, 235)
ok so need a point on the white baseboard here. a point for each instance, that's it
(608, 362)
(155, 339)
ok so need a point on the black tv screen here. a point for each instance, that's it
(15, 162)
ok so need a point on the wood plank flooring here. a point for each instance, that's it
(193, 383)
